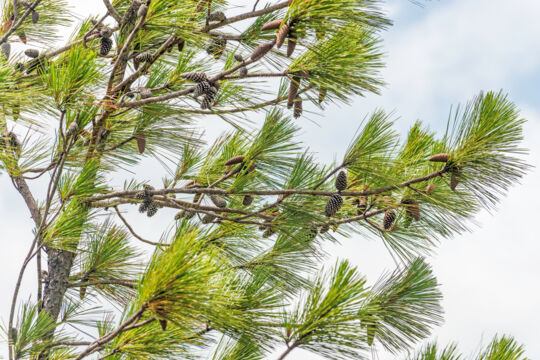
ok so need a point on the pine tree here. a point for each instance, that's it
(251, 213)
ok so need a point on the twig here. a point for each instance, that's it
(133, 232)
(20, 21)
(112, 11)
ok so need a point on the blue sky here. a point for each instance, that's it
(438, 55)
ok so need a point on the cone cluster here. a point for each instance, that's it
(105, 46)
(217, 16)
(247, 200)
(148, 205)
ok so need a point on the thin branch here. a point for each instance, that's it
(133, 231)
(112, 11)
(125, 283)
(20, 21)
(95, 345)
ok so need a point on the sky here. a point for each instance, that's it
(438, 55)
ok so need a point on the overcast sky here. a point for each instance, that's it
(441, 54)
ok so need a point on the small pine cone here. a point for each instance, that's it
(207, 219)
(152, 210)
(181, 45)
(202, 88)
(142, 10)
(105, 46)
(293, 91)
(218, 201)
(72, 129)
(282, 34)
(322, 94)
(35, 16)
(325, 228)
(298, 108)
(106, 32)
(430, 188)
(238, 58)
(341, 181)
(291, 45)
(163, 324)
(247, 200)
(141, 142)
(195, 76)
(261, 50)
(217, 16)
(184, 214)
(33, 53)
(235, 160)
(268, 232)
(22, 36)
(145, 93)
(362, 206)
(454, 179)
(412, 208)
(243, 71)
(440, 157)
(272, 25)
(140, 195)
(333, 205)
(217, 47)
(144, 206)
(389, 218)
(19, 66)
(144, 57)
(6, 49)
(207, 101)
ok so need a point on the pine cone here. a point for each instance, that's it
(291, 45)
(145, 93)
(217, 16)
(293, 91)
(35, 16)
(282, 34)
(268, 232)
(389, 218)
(243, 71)
(6, 49)
(454, 179)
(235, 160)
(362, 206)
(72, 129)
(106, 32)
(272, 25)
(163, 324)
(218, 201)
(144, 206)
(142, 11)
(207, 219)
(333, 205)
(141, 142)
(144, 57)
(412, 208)
(209, 98)
(33, 53)
(195, 76)
(247, 200)
(202, 88)
(261, 50)
(181, 45)
(341, 181)
(443, 157)
(152, 210)
(105, 46)
(325, 228)
(298, 108)
(140, 195)
(238, 58)
(322, 94)
(217, 47)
